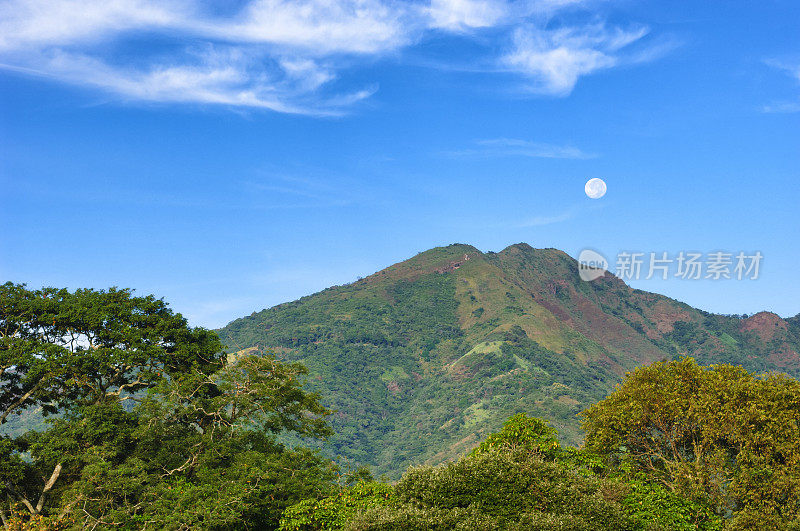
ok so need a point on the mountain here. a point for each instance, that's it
(423, 359)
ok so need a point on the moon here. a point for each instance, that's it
(595, 188)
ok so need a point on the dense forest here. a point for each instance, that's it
(149, 424)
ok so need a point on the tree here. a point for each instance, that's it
(716, 434)
(60, 349)
(154, 428)
(31, 358)
(204, 453)
(71, 352)
(524, 432)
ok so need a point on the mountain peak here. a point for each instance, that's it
(526, 249)
(522, 246)
(435, 260)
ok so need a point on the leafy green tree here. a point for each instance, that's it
(715, 435)
(524, 432)
(154, 428)
(338, 510)
(73, 352)
(33, 357)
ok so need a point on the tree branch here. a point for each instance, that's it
(48, 486)
(21, 498)
(19, 401)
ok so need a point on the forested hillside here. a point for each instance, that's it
(425, 358)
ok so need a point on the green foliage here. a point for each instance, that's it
(653, 506)
(687, 335)
(717, 435)
(521, 478)
(523, 432)
(412, 518)
(198, 450)
(337, 510)
(198, 453)
(500, 489)
(421, 362)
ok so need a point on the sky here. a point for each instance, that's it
(232, 155)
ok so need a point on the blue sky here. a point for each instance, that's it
(232, 155)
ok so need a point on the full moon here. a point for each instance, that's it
(595, 188)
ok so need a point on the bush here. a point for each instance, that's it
(507, 484)
(411, 518)
(524, 432)
(335, 511)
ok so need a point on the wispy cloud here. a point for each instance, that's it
(782, 107)
(793, 70)
(272, 55)
(311, 192)
(283, 55)
(539, 221)
(222, 76)
(513, 147)
(566, 215)
(462, 15)
(555, 59)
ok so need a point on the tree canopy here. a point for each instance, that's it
(155, 428)
(717, 434)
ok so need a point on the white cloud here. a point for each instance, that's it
(502, 147)
(319, 27)
(460, 15)
(781, 107)
(33, 24)
(283, 55)
(793, 70)
(271, 54)
(555, 59)
(227, 77)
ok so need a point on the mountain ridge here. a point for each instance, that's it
(425, 357)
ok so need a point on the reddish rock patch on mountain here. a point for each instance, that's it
(665, 317)
(785, 358)
(764, 324)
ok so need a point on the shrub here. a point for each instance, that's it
(335, 511)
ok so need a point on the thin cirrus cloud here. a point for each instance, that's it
(505, 147)
(287, 56)
(539, 221)
(793, 70)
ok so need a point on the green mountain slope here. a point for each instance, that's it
(425, 358)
